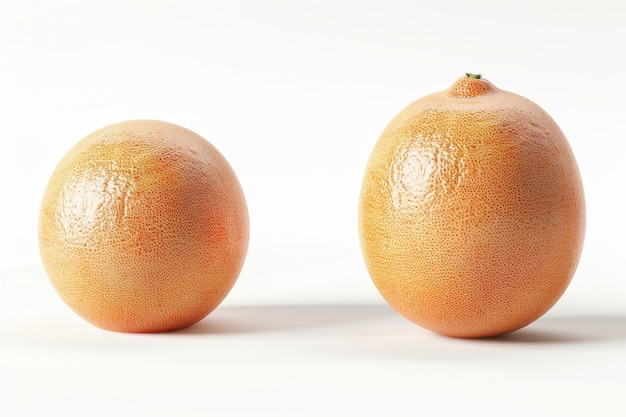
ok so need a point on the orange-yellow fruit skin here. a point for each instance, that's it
(472, 212)
(143, 227)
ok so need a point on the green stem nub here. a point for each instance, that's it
(475, 76)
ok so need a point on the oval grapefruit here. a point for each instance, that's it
(472, 213)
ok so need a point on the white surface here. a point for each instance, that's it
(303, 359)
(295, 94)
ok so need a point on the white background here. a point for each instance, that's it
(295, 94)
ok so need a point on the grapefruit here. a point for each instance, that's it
(472, 213)
(143, 227)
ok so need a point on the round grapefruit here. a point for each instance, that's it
(143, 227)
(472, 213)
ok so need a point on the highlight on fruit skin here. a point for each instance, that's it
(472, 211)
(143, 227)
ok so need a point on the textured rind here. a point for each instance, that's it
(472, 211)
(143, 227)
